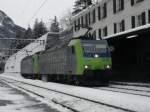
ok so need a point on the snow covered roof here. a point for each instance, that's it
(129, 32)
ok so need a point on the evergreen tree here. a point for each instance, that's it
(35, 29)
(17, 44)
(28, 33)
(39, 29)
(42, 28)
(55, 25)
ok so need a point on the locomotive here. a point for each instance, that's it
(77, 61)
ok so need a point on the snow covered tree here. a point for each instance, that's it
(79, 5)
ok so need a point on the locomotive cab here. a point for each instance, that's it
(93, 59)
(96, 54)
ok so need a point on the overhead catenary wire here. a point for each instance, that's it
(37, 11)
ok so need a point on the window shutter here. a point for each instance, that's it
(115, 28)
(89, 18)
(149, 16)
(100, 37)
(105, 10)
(143, 18)
(75, 27)
(86, 20)
(94, 35)
(94, 16)
(123, 25)
(132, 2)
(82, 23)
(133, 21)
(105, 31)
(122, 4)
(79, 24)
(99, 13)
(114, 6)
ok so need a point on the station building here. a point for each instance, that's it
(108, 17)
(125, 24)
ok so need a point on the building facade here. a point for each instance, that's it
(108, 17)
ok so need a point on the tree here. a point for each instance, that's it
(28, 33)
(79, 5)
(17, 44)
(55, 25)
(42, 28)
(39, 29)
(35, 29)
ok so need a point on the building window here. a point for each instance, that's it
(133, 21)
(143, 15)
(122, 25)
(102, 11)
(75, 25)
(82, 22)
(99, 34)
(138, 20)
(115, 28)
(94, 35)
(104, 34)
(148, 16)
(86, 20)
(135, 2)
(94, 16)
(78, 24)
(99, 13)
(89, 15)
(119, 27)
(118, 5)
(104, 14)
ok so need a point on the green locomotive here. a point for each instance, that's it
(76, 61)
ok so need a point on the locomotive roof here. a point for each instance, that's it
(74, 41)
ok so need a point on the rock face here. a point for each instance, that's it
(8, 29)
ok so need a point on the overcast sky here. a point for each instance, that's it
(21, 11)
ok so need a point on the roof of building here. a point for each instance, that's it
(130, 33)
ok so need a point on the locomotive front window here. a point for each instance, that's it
(95, 50)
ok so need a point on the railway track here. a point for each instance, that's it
(128, 88)
(27, 87)
(131, 84)
(126, 91)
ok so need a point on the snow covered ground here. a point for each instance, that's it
(13, 100)
(127, 101)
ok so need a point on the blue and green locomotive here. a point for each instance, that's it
(76, 61)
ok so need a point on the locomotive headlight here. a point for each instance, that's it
(96, 55)
(86, 67)
(108, 66)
